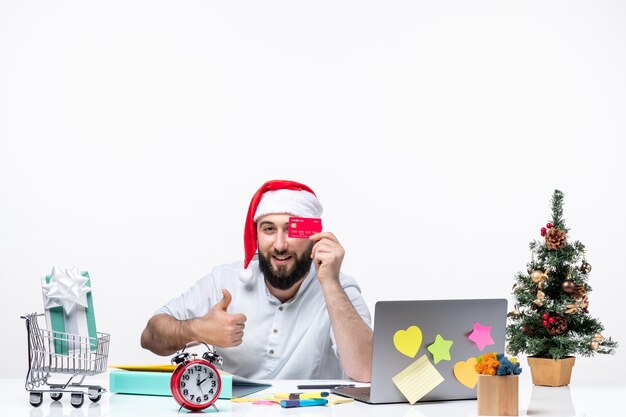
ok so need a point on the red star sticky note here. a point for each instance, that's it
(481, 335)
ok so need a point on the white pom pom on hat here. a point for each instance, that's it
(274, 197)
(245, 276)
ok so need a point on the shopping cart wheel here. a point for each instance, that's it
(77, 399)
(56, 396)
(94, 393)
(35, 398)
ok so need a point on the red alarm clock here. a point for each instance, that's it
(196, 383)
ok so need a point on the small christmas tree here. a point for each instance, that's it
(551, 316)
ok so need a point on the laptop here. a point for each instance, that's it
(453, 320)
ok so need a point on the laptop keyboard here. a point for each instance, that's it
(362, 393)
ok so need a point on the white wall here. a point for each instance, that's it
(133, 134)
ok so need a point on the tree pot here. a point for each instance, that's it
(551, 372)
(498, 395)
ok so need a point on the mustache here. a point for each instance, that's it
(282, 252)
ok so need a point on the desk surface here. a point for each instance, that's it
(576, 400)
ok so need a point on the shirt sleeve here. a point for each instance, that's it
(195, 302)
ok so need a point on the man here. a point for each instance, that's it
(291, 314)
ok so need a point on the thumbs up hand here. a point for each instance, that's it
(220, 328)
(224, 302)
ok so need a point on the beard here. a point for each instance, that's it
(283, 278)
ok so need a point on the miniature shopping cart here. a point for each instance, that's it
(51, 352)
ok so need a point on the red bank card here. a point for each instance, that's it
(303, 227)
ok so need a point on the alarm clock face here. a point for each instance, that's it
(196, 385)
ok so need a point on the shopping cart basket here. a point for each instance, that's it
(51, 352)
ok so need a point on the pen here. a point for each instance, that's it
(301, 395)
(314, 394)
(325, 386)
(303, 403)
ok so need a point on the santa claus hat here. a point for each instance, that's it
(276, 197)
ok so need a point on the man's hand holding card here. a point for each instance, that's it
(327, 252)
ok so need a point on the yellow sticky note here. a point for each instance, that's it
(417, 379)
(408, 341)
(255, 399)
(247, 399)
(337, 399)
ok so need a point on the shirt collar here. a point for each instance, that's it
(303, 287)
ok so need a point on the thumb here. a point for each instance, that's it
(225, 301)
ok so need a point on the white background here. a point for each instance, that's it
(133, 134)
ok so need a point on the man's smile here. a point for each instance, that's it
(281, 259)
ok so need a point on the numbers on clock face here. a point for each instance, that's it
(198, 384)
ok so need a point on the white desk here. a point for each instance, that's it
(577, 400)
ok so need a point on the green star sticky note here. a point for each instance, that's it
(440, 349)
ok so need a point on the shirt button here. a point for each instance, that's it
(281, 308)
(275, 331)
(271, 351)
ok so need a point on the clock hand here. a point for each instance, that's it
(200, 382)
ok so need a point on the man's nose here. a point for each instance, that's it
(281, 241)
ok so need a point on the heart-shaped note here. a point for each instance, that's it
(465, 372)
(408, 341)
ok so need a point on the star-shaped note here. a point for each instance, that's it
(481, 335)
(440, 349)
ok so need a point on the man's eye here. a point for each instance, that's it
(268, 229)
